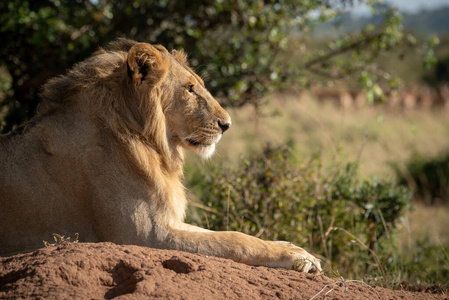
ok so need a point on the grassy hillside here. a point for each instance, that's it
(424, 23)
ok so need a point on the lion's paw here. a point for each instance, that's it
(301, 260)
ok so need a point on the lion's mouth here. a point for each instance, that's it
(195, 143)
(203, 149)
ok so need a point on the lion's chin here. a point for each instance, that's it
(203, 150)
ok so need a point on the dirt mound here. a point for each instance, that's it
(106, 270)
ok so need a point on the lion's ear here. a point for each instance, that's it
(180, 55)
(146, 64)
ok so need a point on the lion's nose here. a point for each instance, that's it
(224, 126)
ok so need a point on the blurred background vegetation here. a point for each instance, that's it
(351, 96)
(246, 48)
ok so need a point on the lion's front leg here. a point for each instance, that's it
(242, 248)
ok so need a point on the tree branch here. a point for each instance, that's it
(319, 60)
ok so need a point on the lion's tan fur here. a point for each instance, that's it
(104, 155)
(139, 126)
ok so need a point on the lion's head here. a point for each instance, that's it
(194, 118)
(143, 90)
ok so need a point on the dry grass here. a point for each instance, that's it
(379, 137)
(425, 222)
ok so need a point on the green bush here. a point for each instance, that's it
(424, 262)
(347, 222)
(427, 177)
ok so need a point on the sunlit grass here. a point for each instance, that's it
(373, 134)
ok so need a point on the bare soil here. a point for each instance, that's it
(106, 270)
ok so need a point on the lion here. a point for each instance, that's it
(104, 156)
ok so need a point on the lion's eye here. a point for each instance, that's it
(190, 88)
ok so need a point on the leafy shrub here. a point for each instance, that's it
(425, 262)
(330, 212)
(428, 177)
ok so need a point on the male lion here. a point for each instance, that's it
(104, 155)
